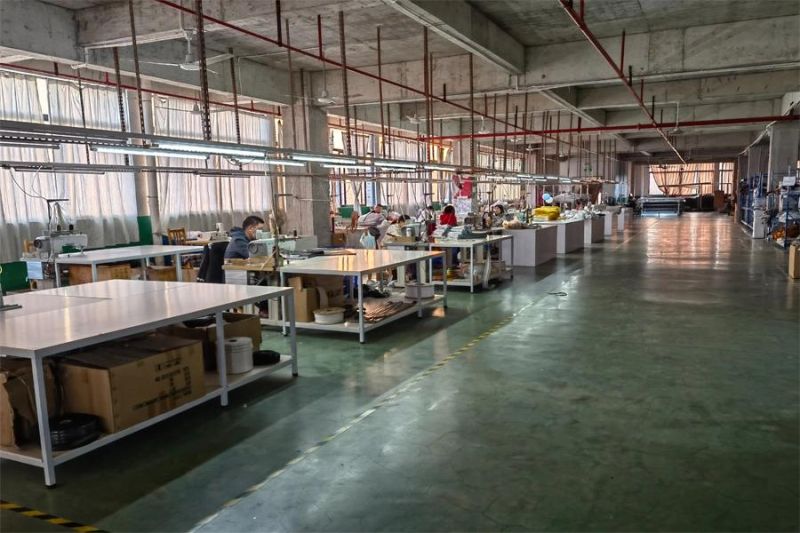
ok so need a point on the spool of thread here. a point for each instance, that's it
(238, 355)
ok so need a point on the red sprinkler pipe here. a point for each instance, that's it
(629, 127)
(579, 21)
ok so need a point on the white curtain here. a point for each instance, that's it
(102, 206)
(199, 202)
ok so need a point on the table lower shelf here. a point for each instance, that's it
(31, 454)
(352, 326)
(464, 282)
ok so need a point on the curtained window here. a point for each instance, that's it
(102, 206)
(199, 202)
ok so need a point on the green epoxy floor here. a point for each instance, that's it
(661, 393)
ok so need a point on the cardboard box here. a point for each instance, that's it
(333, 287)
(236, 325)
(18, 420)
(129, 382)
(306, 299)
(79, 274)
(161, 273)
(794, 261)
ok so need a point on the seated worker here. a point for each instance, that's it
(498, 215)
(448, 217)
(396, 229)
(241, 237)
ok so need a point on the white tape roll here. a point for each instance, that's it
(323, 297)
(238, 355)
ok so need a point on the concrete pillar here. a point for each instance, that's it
(784, 140)
(307, 200)
(146, 183)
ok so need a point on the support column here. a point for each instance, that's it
(784, 139)
(307, 201)
(146, 183)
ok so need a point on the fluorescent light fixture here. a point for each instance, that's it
(31, 144)
(325, 159)
(51, 170)
(210, 149)
(445, 168)
(348, 167)
(539, 179)
(284, 162)
(526, 176)
(151, 152)
(565, 180)
(394, 164)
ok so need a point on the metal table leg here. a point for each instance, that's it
(283, 307)
(292, 331)
(58, 274)
(94, 272)
(40, 395)
(420, 281)
(360, 309)
(221, 370)
(143, 262)
(511, 266)
(178, 269)
(472, 270)
(487, 268)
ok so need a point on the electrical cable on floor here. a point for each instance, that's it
(559, 293)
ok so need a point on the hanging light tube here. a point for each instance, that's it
(348, 167)
(30, 144)
(325, 159)
(276, 162)
(210, 149)
(445, 168)
(51, 170)
(394, 164)
(151, 152)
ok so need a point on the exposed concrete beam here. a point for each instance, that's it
(464, 25)
(48, 32)
(753, 45)
(107, 24)
(700, 112)
(711, 90)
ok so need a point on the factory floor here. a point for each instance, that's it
(647, 383)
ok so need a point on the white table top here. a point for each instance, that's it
(560, 222)
(468, 243)
(127, 253)
(72, 317)
(364, 262)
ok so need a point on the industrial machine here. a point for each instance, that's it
(660, 206)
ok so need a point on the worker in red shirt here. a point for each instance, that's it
(448, 217)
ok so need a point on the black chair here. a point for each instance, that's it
(211, 265)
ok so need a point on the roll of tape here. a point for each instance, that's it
(323, 297)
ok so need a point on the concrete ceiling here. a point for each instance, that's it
(537, 22)
(702, 60)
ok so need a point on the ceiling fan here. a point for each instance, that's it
(190, 62)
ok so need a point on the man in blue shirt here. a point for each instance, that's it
(241, 237)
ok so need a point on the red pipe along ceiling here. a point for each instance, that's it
(320, 57)
(628, 127)
(580, 22)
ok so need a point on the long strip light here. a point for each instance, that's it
(51, 170)
(348, 167)
(210, 149)
(153, 152)
(30, 144)
(325, 159)
(445, 168)
(276, 162)
(394, 164)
